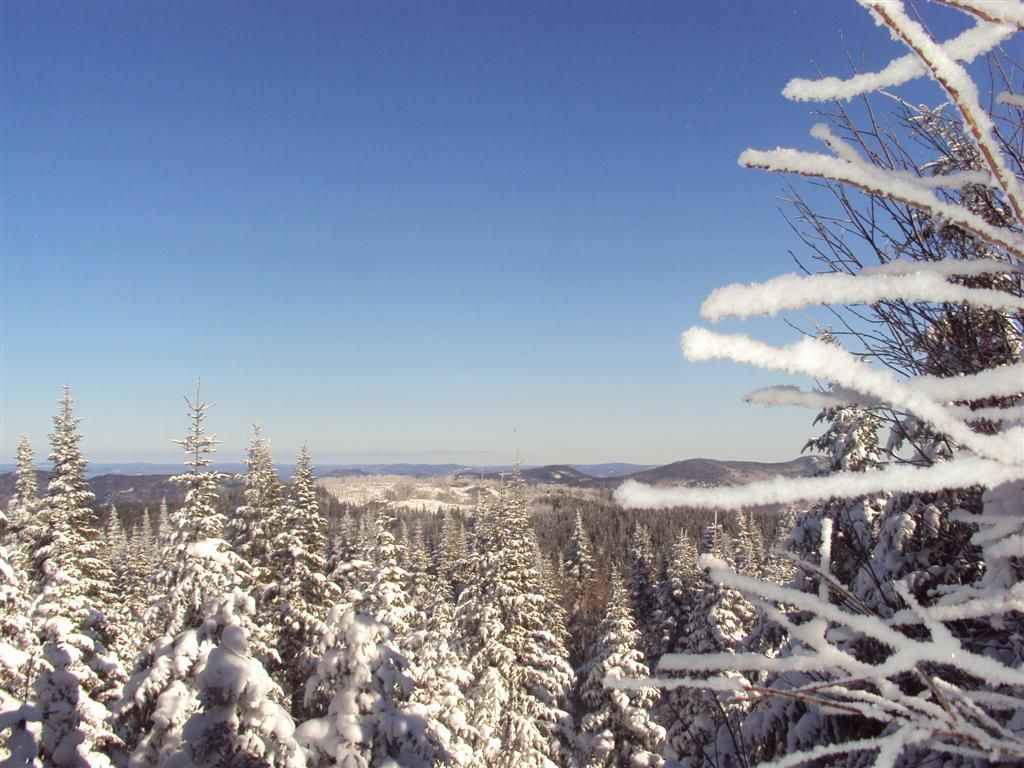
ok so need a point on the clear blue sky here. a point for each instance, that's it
(433, 232)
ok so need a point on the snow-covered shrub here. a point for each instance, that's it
(913, 651)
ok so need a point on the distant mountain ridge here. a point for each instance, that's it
(689, 471)
(128, 484)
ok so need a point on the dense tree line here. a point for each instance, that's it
(248, 630)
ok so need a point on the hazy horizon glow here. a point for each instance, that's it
(431, 230)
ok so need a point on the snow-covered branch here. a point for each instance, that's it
(967, 46)
(790, 292)
(961, 472)
(816, 358)
(961, 89)
(877, 181)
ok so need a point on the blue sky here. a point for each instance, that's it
(429, 232)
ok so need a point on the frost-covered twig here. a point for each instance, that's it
(961, 88)
(789, 292)
(967, 46)
(818, 359)
(950, 716)
(999, 11)
(884, 183)
(958, 473)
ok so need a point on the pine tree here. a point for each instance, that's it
(580, 593)
(367, 722)
(617, 729)
(303, 591)
(255, 525)
(25, 501)
(199, 563)
(74, 586)
(640, 560)
(202, 575)
(18, 646)
(239, 723)
(520, 676)
(441, 678)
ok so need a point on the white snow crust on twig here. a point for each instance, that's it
(826, 361)
(790, 292)
(877, 181)
(960, 472)
(967, 46)
(1010, 99)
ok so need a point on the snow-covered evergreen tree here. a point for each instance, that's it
(18, 645)
(676, 596)
(518, 665)
(578, 575)
(300, 601)
(75, 728)
(440, 679)
(199, 562)
(422, 584)
(617, 728)
(255, 525)
(75, 580)
(452, 554)
(20, 745)
(642, 593)
(25, 501)
(116, 555)
(239, 723)
(367, 722)
(201, 571)
(139, 571)
(163, 694)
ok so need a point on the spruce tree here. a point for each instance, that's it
(367, 721)
(19, 649)
(75, 581)
(452, 555)
(617, 728)
(199, 562)
(255, 524)
(518, 666)
(202, 575)
(640, 560)
(24, 503)
(580, 591)
(299, 605)
(440, 679)
(239, 722)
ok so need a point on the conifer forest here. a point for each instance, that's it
(870, 613)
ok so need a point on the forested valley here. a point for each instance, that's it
(869, 615)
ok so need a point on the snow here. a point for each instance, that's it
(961, 89)
(887, 184)
(959, 472)
(966, 46)
(831, 363)
(789, 292)
(1011, 99)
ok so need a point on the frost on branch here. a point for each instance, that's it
(902, 627)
